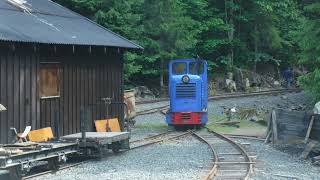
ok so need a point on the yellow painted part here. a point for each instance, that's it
(41, 135)
(101, 125)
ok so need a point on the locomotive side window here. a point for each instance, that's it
(179, 68)
(196, 68)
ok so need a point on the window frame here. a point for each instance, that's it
(185, 68)
(202, 70)
(49, 65)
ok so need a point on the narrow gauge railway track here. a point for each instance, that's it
(159, 138)
(63, 167)
(231, 95)
(231, 161)
(152, 110)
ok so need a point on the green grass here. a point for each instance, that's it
(244, 124)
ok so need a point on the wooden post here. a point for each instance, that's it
(308, 149)
(274, 127)
(268, 137)
(309, 130)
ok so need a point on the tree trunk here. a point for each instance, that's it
(229, 20)
(161, 75)
(255, 47)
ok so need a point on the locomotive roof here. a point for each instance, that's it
(186, 60)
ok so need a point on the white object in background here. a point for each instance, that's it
(2, 108)
(316, 109)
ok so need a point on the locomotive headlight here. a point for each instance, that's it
(185, 79)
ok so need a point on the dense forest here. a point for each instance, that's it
(227, 33)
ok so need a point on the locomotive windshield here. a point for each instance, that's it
(196, 68)
(179, 68)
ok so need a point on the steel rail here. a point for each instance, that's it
(152, 110)
(214, 169)
(155, 141)
(237, 136)
(151, 137)
(53, 171)
(231, 95)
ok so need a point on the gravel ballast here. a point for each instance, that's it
(188, 158)
(273, 164)
(179, 159)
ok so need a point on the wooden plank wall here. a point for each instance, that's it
(84, 81)
(315, 131)
(292, 125)
(18, 92)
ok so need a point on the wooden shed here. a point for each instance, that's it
(53, 62)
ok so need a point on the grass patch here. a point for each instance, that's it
(244, 124)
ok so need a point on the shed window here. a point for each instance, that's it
(49, 80)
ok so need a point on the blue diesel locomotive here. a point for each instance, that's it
(188, 91)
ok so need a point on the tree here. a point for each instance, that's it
(309, 39)
(168, 34)
(227, 33)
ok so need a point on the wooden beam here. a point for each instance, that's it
(309, 130)
(308, 149)
(268, 136)
(228, 123)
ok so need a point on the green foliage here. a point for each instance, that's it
(227, 33)
(309, 38)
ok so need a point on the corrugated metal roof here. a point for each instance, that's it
(51, 23)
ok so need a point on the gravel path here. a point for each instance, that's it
(179, 159)
(266, 102)
(272, 162)
(261, 102)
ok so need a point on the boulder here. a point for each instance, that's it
(316, 109)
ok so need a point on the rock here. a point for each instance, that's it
(254, 119)
(284, 97)
(143, 91)
(276, 83)
(316, 109)
(230, 75)
(246, 84)
(231, 85)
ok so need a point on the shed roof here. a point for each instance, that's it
(51, 23)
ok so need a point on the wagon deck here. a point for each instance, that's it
(99, 137)
(100, 140)
(36, 152)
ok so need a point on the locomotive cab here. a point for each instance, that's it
(188, 92)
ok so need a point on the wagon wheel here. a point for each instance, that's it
(53, 164)
(115, 146)
(16, 173)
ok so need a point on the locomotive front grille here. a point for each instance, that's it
(185, 116)
(186, 90)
